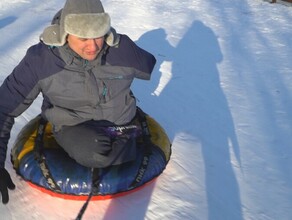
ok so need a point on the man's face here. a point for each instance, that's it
(88, 49)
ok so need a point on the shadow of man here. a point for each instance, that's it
(7, 21)
(199, 108)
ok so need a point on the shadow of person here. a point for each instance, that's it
(6, 21)
(200, 109)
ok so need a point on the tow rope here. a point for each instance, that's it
(96, 179)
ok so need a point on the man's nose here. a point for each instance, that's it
(91, 44)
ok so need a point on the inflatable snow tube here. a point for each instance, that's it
(75, 180)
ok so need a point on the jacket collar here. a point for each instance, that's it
(71, 58)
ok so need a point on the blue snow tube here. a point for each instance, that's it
(74, 180)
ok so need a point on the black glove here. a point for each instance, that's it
(5, 182)
(104, 144)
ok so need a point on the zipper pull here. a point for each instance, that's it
(104, 92)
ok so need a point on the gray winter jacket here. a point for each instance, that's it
(74, 90)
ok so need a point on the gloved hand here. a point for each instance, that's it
(104, 144)
(5, 184)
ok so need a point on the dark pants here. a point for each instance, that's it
(91, 146)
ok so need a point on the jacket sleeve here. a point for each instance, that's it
(18, 91)
(128, 54)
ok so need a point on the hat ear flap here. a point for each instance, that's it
(53, 36)
(112, 38)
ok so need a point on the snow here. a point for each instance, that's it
(222, 89)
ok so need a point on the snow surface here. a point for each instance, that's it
(222, 89)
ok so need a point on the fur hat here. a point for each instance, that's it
(82, 18)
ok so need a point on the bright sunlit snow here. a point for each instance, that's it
(222, 89)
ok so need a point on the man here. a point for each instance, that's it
(84, 70)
